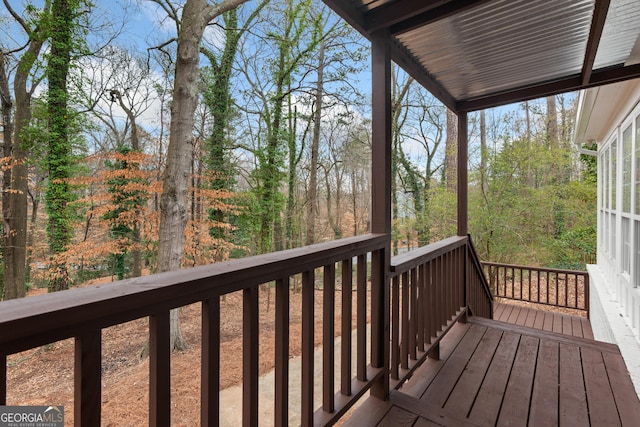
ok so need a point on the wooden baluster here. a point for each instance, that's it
(159, 370)
(347, 314)
(328, 329)
(308, 278)
(413, 317)
(3, 379)
(404, 342)
(395, 323)
(250, 352)
(281, 374)
(210, 363)
(361, 313)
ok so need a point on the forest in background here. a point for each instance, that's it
(277, 155)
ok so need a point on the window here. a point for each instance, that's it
(627, 155)
(605, 180)
(626, 245)
(637, 166)
(612, 235)
(614, 173)
(636, 281)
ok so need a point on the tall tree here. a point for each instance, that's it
(217, 96)
(196, 15)
(58, 196)
(296, 41)
(451, 152)
(14, 206)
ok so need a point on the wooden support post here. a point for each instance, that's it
(463, 150)
(380, 206)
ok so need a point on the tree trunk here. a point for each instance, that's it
(312, 206)
(196, 14)
(15, 211)
(483, 152)
(7, 145)
(58, 194)
(451, 152)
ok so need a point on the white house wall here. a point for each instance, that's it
(610, 115)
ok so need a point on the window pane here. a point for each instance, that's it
(627, 155)
(612, 235)
(637, 255)
(614, 172)
(626, 245)
(637, 166)
(605, 180)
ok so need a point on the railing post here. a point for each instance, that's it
(159, 369)
(88, 378)
(380, 321)
(3, 379)
(465, 279)
(380, 206)
(210, 363)
(587, 304)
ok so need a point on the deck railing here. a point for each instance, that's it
(427, 291)
(547, 286)
(432, 288)
(83, 313)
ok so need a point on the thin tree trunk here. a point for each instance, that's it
(312, 206)
(7, 145)
(15, 208)
(451, 152)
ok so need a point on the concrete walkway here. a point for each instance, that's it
(231, 398)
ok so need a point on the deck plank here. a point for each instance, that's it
(531, 318)
(397, 417)
(495, 373)
(567, 326)
(516, 401)
(539, 322)
(498, 308)
(441, 386)
(573, 401)
(487, 405)
(627, 403)
(576, 327)
(522, 316)
(557, 323)
(587, 331)
(544, 399)
(464, 393)
(425, 423)
(514, 314)
(548, 321)
(602, 407)
(369, 413)
(423, 376)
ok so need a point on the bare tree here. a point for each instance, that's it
(174, 211)
(14, 206)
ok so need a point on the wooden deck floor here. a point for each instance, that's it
(494, 373)
(543, 319)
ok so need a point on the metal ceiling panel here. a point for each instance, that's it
(503, 44)
(475, 54)
(620, 33)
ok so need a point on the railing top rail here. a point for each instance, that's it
(29, 322)
(404, 262)
(523, 267)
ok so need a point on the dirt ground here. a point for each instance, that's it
(44, 376)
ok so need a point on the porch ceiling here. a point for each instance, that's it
(476, 54)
